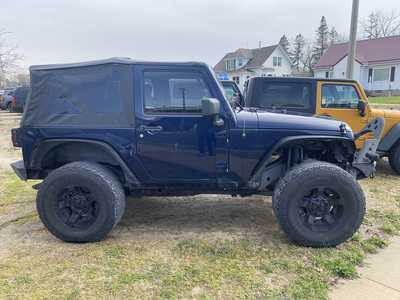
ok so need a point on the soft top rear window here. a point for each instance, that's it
(87, 96)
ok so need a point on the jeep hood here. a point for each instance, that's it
(270, 120)
(261, 119)
(386, 113)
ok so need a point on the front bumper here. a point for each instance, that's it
(19, 169)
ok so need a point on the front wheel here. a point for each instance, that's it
(80, 202)
(318, 204)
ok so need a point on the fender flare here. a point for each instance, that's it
(390, 139)
(40, 151)
(260, 167)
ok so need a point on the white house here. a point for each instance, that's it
(377, 64)
(245, 63)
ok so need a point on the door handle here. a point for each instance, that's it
(150, 129)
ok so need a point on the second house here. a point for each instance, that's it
(245, 63)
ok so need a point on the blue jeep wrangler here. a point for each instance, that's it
(98, 131)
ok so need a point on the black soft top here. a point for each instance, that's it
(86, 94)
(113, 60)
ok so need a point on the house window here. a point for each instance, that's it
(381, 74)
(392, 74)
(370, 73)
(231, 64)
(328, 74)
(277, 61)
(240, 63)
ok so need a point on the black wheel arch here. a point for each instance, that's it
(292, 140)
(390, 140)
(57, 152)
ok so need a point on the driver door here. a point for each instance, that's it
(175, 143)
(339, 100)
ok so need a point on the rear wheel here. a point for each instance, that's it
(81, 202)
(394, 158)
(319, 204)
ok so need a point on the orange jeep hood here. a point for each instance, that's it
(386, 113)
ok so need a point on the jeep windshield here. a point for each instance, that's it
(275, 95)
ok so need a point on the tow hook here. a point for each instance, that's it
(373, 157)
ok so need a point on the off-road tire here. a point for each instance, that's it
(106, 189)
(302, 178)
(394, 158)
(9, 108)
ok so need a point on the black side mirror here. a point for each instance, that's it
(211, 107)
(361, 106)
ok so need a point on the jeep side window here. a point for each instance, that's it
(174, 92)
(339, 96)
(282, 94)
(230, 92)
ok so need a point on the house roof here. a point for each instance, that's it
(367, 52)
(257, 57)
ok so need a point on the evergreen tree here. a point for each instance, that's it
(284, 42)
(298, 52)
(322, 40)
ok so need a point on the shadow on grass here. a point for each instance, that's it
(251, 217)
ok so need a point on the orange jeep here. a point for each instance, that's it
(343, 100)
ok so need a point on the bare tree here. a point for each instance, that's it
(333, 36)
(308, 59)
(22, 79)
(9, 57)
(381, 24)
(370, 26)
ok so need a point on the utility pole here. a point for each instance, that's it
(353, 40)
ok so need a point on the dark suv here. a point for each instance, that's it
(18, 99)
(100, 130)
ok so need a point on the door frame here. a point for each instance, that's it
(216, 92)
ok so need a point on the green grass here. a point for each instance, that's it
(203, 268)
(228, 269)
(385, 100)
(14, 191)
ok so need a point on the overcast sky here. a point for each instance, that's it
(55, 31)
